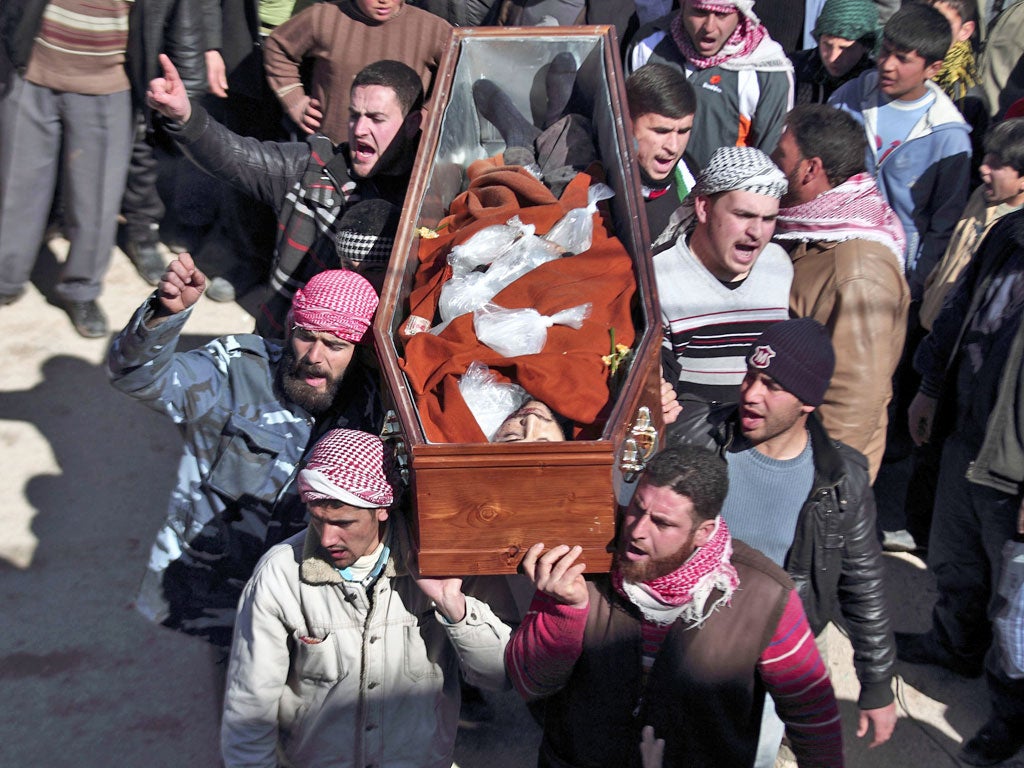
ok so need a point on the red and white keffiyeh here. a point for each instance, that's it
(853, 210)
(336, 301)
(684, 593)
(741, 43)
(350, 466)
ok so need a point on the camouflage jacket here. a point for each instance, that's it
(243, 445)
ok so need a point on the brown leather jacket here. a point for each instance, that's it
(856, 289)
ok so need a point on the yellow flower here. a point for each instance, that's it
(426, 233)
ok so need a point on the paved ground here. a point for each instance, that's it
(86, 682)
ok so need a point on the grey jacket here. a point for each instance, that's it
(381, 686)
(243, 442)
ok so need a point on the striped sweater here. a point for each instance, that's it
(80, 47)
(710, 327)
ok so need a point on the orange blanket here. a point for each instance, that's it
(569, 374)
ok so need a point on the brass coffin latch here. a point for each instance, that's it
(639, 446)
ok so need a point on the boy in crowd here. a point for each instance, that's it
(959, 74)
(905, 528)
(661, 106)
(918, 143)
(846, 33)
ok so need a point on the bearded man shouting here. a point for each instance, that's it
(685, 634)
(249, 410)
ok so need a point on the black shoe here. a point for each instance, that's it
(474, 710)
(87, 317)
(925, 649)
(994, 742)
(147, 260)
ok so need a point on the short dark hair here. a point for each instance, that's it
(921, 28)
(832, 135)
(700, 475)
(399, 77)
(658, 89)
(1005, 140)
(967, 10)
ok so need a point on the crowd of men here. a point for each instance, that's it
(842, 360)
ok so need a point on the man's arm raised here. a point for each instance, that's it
(180, 288)
(167, 94)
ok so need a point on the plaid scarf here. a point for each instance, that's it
(853, 210)
(685, 592)
(742, 42)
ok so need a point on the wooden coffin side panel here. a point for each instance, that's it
(479, 514)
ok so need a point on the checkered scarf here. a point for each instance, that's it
(349, 466)
(685, 592)
(854, 210)
(357, 247)
(366, 233)
(744, 168)
(336, 301)
(741, 43)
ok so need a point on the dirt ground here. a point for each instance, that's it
(87, 682)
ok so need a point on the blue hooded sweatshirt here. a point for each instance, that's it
(926, 179)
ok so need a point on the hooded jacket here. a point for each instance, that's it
(738, 105)
(925, 179)
(380, 688)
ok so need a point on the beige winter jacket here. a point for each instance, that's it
(856, 289)
(380, 688)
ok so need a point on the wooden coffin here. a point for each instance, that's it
(477, 506)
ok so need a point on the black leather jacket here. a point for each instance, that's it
(173, 27)
(836, 559)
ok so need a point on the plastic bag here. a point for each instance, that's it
(487, 245)
(575, 231)
(464, 294)
(490, 401)
(515, 332)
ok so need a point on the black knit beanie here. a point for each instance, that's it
(798, 355)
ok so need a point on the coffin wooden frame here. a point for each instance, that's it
(477, 508)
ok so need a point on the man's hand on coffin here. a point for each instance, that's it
(306, 114)
(556, 573)
(167, 94)
(180, 287)
(670, 407)
(446, 593)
